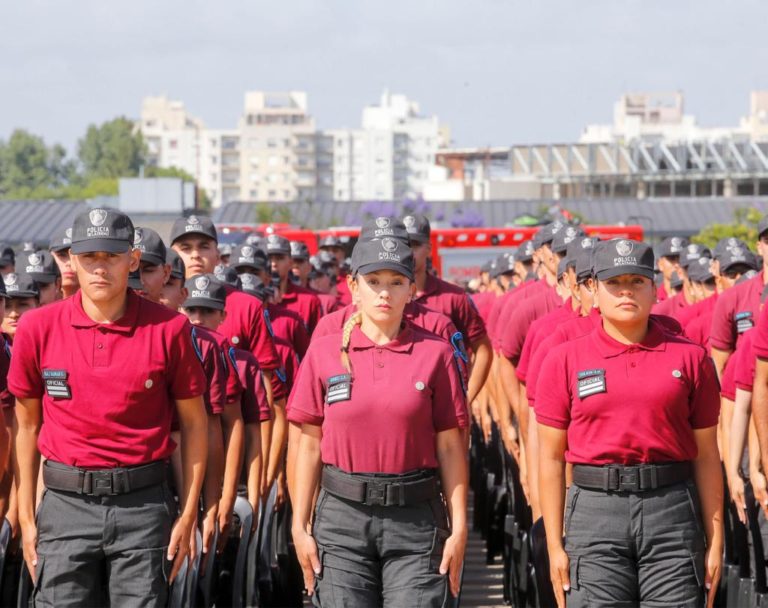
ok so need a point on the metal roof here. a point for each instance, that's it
(36, 221)
(660, 218)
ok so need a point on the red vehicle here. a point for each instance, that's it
(457, 253)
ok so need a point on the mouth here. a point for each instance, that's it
(628, 306)
(383, 307)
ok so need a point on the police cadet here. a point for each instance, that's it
(154, 271)
(302, 271)
(107, 519)
(174, 291)
(668, 262)
(59, 247)
(380, 407)
(7, 259)
(44, 271)
(23, 295)
(635, 410)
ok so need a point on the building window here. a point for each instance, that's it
(271, 143)
(173, 144)
(273, 161)
(287, 193)
(254, 194)
(272, 194)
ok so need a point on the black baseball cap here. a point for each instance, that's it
(675, 281)
(224, 250)
(562, 268)
(134, 280)
(7, 255)
(227, 275)
(622, 256)
(205, 291)
(699, 270)
(385, 254)
(254, 239)
(253, 285)
(733, 256)
(505, 264)
(278, 245)
(564, 237)
(379, 227)
(193, 224)
(726, 243)
(546, 234)
(3, 293)
(173, 259)
(61, 240)
(107, 230)
(762, 226)
(299, 250)
(418, 228)
(524, 253)
(584, 263)
(576, 246)
(672, 246)
(41, 266)
(693, 252)
(150, 244)
(248, 256)
(330, 242)
(20, 285)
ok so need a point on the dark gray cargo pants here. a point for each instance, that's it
(643, 549)
(379, 556)
(88, 544)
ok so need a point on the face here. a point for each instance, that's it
(281, 264)
(338, 253)
(302, 268)
(321, 283)
(14, 309)
(587, 296)
(49, 292)
(68, 275)
(103, 277)
(153, 279)
(728, 278)
(174, 293)
(198, 252)
(381, 296)
(421, 253)
(549, 259)
(210, 318)
(668, 265)
(626, 300)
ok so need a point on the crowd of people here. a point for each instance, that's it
(193, 423)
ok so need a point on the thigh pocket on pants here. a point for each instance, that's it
(438, 546)
(573, 571)
(39, 598)
(698, 567)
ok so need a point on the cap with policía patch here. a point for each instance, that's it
(383, 226)
(505, 264)
(248, 256)
(565, 236)
(299, 250)
(736, 256)
(41, 266)
(20, 285)
(585, 261)
(727, 243)
(672, 246)
(546, 234)
(193, 224)
(418, 228)
(385, 254)
(227, 275)
(151, 246)
(61, 240)
(623, 256)
(576, 246)
(693, 252)
(253, 285)
(699, 271)
(173, 259)
(224, 250)
(330, 242)
(524, 253)
(102, 230)
(205, 291)
(278, 245)
(255, 239)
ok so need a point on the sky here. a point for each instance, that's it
(498, 72)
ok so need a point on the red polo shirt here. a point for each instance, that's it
(689, 313)
(289, 326)
(234, 387)
(728, 381)
(244, 327)
(508, 305)
(6, 399)
(402, 394)
(745, 363)
(514, 330)
(304, 303)
(211, 356)
(122, 379)
(736, 312)
(661, 293)
(698, 329)
(540, 329)
(289, 365)
(253, 403)
(345, 296)
(454, 303)
(484, 302)
(628, 404)
(671, 307)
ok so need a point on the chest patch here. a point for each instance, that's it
(56, 384)
(339, 388)
(744, 321)
(591, 382)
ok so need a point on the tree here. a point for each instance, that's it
(743, 226)
(113, 149)
(201, 196)
(28, 168)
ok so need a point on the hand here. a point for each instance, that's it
(760, 488)
(453, 558)
(559, 572)
(737, 496)
(487, 428)
(524, 483)
(225, 523)
(713, 566)
(29, 547)
(306, 552)
(282, 492)
(178, 546)
(208, 532)
(511, 443)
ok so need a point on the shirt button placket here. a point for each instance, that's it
(378, 365)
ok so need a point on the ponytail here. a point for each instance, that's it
(355, 319)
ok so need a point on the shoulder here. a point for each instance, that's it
(680, 344)
(444, 287)
(427, 342)
(324, 346)
(46, 316)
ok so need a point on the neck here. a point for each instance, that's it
(420, 279)
(667, 285)
(549, 277)
(380, 332)
(69, 290)
(284, 285)
(105, 312)
(626, 334)
(688, 294)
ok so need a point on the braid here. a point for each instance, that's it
(346, 334)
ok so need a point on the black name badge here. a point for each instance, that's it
(744, 321)
(56, 383)
(591, 382)
(339, 388)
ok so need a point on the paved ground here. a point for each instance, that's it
(482, 583)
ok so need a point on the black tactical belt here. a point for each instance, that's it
(382, 492)
(103, 482)
(640, 478)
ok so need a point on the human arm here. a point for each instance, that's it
(737, 438)
(214, 476)
(233, 430)
(253, 465)
(481, 366)
(26, 466)
(720, 357)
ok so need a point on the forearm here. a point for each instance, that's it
(266, 376)
(720, 357)
(480, 367)
(454, 478)
(214, 472)
(294, 436)
(552, 499)
(532, 463)
(523, 415)
(253, 463)
(755, 465)
(234, 431)
(277, 441)
(26, 467)
(737, 436)
(709, 482)
(507, 394)
(308, 465)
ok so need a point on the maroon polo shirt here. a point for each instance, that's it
(510, 305)
(454, 303)
(289, 326)
(6, 399)
(661, 293)
(745, 363)
(728, 381)
(342, 288)
(540, 329)
(689, 313)
(122, 379)
(628, 404)
(253, 403)
(736, 312)
(290, 364)
(514, 330)
(484, 302)
(671, 307)
(698, 329)
(402, 394)
(244, 327)
(212, 357)
(234, 388)
(304, 303)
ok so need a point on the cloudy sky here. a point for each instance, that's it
(497, 71)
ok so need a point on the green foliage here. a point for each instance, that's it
(30, 169)
(270, 213)
(743, 226)
(112, 149)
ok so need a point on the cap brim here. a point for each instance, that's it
(203, 303)
(105, 245)
(279, 252)
(201, 232)
(46, 278)
(59, 247)
(393, 266)
(135, 284)
(151, 258)
(617, 272)
(22, 294)
(418, 238)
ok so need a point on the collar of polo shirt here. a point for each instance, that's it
(655, 340)
(123, 325)
(403, 343)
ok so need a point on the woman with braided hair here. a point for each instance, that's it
(380, 407)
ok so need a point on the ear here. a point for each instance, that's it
(135, 259)
(166, 273)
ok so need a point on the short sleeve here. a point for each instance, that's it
(705, 401)
(759, 336)
(25, 379)
(528, 349)
(514, 332)
(234, 388)
(537, 359)
(470, 322)
(260, 340)
(306, 403)
(215, 396)
(185, 374)
(721, 336)
(728, 380)
(449, 404)
(553, 395)
(744, 373)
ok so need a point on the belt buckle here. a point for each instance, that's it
(101, 483)
(375, 494)
(629, 480)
